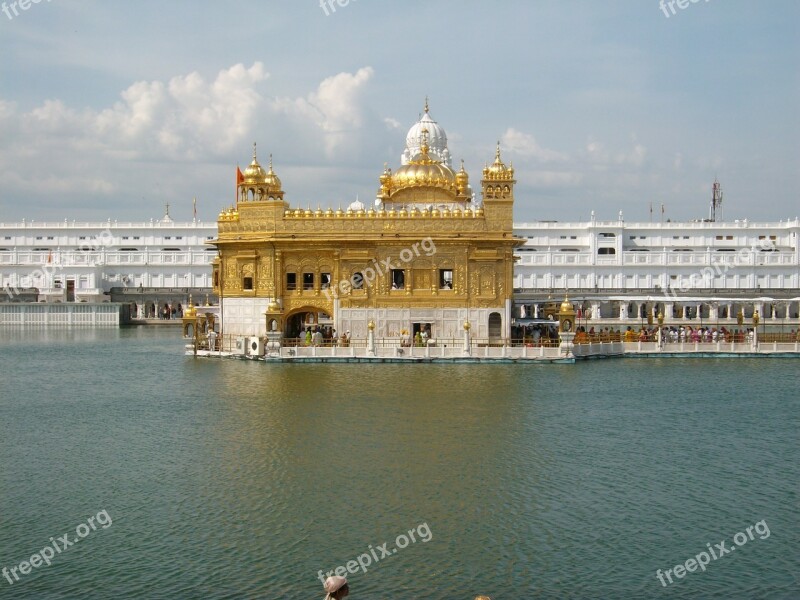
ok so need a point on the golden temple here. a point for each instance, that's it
(428, 254)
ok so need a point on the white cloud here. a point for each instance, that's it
(129, 147)
(391, 123)
(560, 179)
(335, 107)
(601, 157)
(525, 145)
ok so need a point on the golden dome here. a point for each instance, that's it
(462, 178)
(566, 305)
(498, 169)
(423, 171)
(255, 173)
(424, 174)
(386, 176)
(270, 178)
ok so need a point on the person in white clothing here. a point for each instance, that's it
(336, 587)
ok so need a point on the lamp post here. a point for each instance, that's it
(739, 320)
(660, 328)
(755, 330)
(467, 347)
(371, 338)
(566, 328)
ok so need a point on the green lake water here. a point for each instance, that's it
(237, 479)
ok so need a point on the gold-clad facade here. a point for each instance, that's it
(426, 253)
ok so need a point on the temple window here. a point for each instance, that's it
(308, 281)
(357, 281)
(325, 280)
(398, 279)
(606, 251)
(247, 283)
(291, 281)
(445, 279)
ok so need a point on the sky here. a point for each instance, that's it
(110, 110)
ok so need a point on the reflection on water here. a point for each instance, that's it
(240, 479)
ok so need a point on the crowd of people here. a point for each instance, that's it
(535, 335)
(678, 334)
(320, 336)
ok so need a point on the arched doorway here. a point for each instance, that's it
(307, 318)
(495, 327)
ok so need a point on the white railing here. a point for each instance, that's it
(70, 258)
(741, 258)
(671, 226)
(152, 224)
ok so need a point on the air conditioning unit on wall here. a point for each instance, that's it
(255, 346)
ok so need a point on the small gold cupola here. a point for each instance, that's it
(255, 174)
(258, 185)
(498, 170)
(498, 179)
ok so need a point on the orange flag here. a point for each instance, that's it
(239, 176)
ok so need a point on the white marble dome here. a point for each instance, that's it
(356, 205)
(437, 140)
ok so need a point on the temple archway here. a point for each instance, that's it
(300, 319)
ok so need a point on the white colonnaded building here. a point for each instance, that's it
(145, 264)
(615, 271)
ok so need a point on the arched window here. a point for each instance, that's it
(495, 325)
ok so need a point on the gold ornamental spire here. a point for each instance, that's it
(424, 147)
(427, 110)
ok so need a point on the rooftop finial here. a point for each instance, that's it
(270, 162)
(426, 104)
(423, 147)
(254, 151)
(497, 152)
